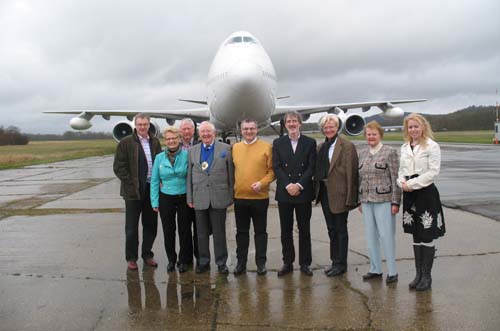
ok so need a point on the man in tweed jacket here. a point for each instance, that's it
(210, 190)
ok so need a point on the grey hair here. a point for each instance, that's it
(212, 126)
(292, 113)
(142, 115)
(188, 121)
(328, 118)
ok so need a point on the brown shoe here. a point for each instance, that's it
(151, 262)
(132, 265)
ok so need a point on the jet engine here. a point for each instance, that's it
(126, 128)
(170, 121)
(80, 123)
(123, 129)
(394, 112)
(154, 129)
(354, 125)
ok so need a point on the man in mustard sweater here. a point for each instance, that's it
(253, 173)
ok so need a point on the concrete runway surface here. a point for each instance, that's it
(62, 263)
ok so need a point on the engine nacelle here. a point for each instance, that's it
(79, 123)
(354, 125)
(126, 128)
(342, 119)
(170, 121)
(123, 129)
(154, 129)
(394, 112)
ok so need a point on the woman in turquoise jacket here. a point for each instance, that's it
(168, 196)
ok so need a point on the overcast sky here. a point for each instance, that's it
(60, 54)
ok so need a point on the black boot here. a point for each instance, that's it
(417, 252)
(427, 260)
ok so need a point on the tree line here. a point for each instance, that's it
(470, 118)
(12, 136)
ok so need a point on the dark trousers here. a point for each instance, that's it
(215, 218)
(192, 218)
(337, 231)
(133, 211)
(245, 211)
(170, 206)
(303, 214)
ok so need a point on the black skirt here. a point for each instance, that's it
(423, 213)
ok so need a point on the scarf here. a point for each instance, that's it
(172, 155)
(323, 162)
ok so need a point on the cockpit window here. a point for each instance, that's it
(235, 40)
(241, 39)
(249, 40)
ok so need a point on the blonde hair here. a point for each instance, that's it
(426, 128)
(171, 129)
(374, 125)
(328, 118)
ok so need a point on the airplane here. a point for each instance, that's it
(241, 84)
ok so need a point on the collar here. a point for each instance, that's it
(208, 146)
(294, 140)
(374, 150)
(253, 141)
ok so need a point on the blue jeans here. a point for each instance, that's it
(380, 226)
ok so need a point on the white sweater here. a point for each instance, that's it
(423, 161)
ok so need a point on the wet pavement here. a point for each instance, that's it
(62, 264)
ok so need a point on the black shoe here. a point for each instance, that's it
(223, 270)
(171, 266)
(391, 279)
(182, 268)
(261, 270)
(372, 275)
(287, 268)
(202, 268)
(240, 269)
(335, 271)
(306, 270)
(328, 269)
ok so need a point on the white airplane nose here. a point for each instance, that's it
(245, 76)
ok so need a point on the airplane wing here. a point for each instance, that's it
(196, 114)
(312, 109)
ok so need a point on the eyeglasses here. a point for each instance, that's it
(171, 139)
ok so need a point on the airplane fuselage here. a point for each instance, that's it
(241, 83)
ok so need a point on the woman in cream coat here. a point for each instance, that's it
(422, 211)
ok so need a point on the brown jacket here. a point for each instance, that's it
(342, 180)
(130, 167)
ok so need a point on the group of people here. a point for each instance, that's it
(194, 182)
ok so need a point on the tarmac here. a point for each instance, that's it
(62, 263)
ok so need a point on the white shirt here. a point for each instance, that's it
(147, 152)
(294, 142)
(332, 149)
(254, 140)
(422, 161)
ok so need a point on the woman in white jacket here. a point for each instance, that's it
(422, 211)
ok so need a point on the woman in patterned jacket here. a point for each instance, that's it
(422, 211)
(380, 197)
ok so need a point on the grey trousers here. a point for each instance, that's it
(216, 219)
